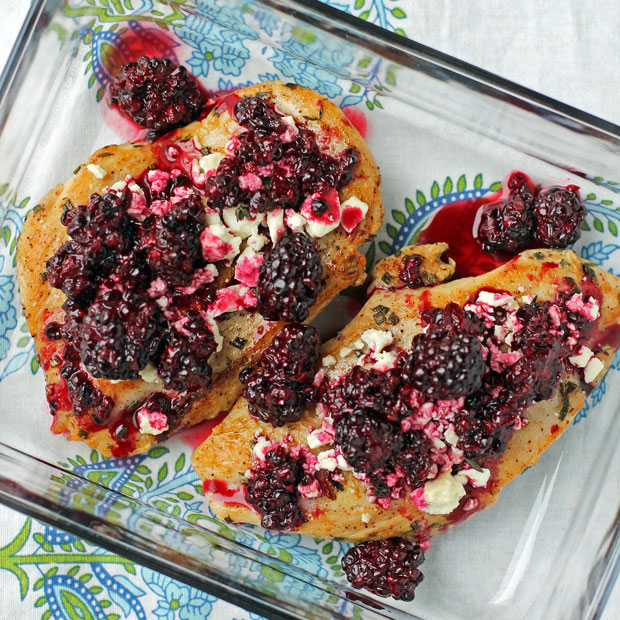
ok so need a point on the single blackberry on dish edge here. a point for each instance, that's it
(280, 388)
(272, 490)
(289, 281)
(157, 94)
(446, 365)
(385, 567)
(118, 335)
(367, 443)
(559, 214)
(410, 271)
(184, 360)
(507, 226)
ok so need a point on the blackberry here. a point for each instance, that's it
(257, 114)
(184, 360)
(281, 387)
(157, 94)
(385, 567)
(479, 438)
(455, 319)
(289, 279)
(172, 242)
(70, 271)
(410, 271)
(559, 214)
(415, 458)
(367, 442)
(446, 365)
(536, 327)
(84, 396)
(507, 226)
(118, 334)
(272, 490)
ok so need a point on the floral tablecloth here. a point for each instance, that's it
(50, 574)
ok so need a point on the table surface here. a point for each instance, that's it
(566, 49)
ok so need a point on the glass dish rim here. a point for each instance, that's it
(390, 46)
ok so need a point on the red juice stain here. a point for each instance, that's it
(219, 492)
(171, 153)
(457, 224)
(194, 436)
(58, 396)
(358, 119)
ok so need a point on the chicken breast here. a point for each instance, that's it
(242, 332)
(454, 486)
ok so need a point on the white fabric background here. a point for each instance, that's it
(567, 49)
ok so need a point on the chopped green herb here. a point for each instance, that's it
(83, 434)
(54, 361)
(381, 309)
(338, 485)
(77, 169)
(539, 255)
(106, 154)
(242, 212)
(43, 276)
(358, 352)
(393, 319)
(414, 526)
(67, 206)
(183, 139)
(387, 278)
(320, 115)
(152, 166)
(565, 406)
(238, 343)
(588, 271)
(570, 281)
(268, 183)
(228, 519)
(205, 150)
(379, 318)
(473, 464)
(290, 85)
(37, 208)
(564, 263)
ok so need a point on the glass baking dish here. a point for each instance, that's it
(441, 131)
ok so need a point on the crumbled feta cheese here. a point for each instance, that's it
(496, 300)
(212, 218)
(243, 227)
(261, 447)
(311, 490)
(231, 299)
(218, 243)
(377, 339)
(291, 129)
(451, 437)
(345, 352)
(215, 330)
(247, 267)
(589, 310)
(358, 344)
(275, 224)
(593, 370)
(327, 460)
(320, 225)
(584, 355)
(328, 360)
(96, 170)
(441, 495)
(385, 361)
(476, 478)
(210, 162)
(354, 211)
(149, 374)
(295, 221)
(257, 242)
(151, 422)
(366, 518)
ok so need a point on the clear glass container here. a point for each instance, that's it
(441, 130)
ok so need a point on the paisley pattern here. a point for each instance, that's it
(60, 576)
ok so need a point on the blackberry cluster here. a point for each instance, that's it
(281, 387)
(273, 490)
(415, 458)
(289, 170)
(551, 217)
(157, 94)
(385, 567)
(100, 231)
(446, 365)
(172, 242)
(454, 319)
(119, 334)
(410, 271)
(184, 361)
(289, 279)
